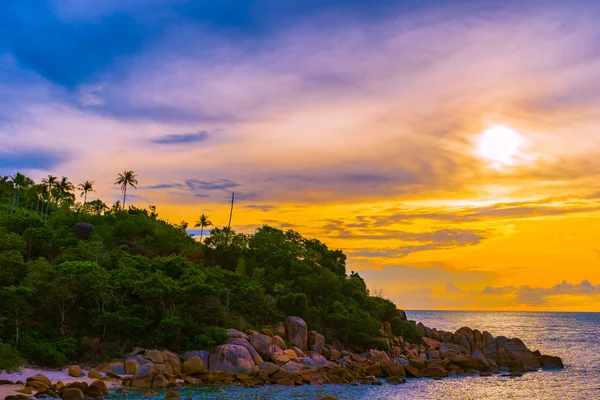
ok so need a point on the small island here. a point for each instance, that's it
(127, 300)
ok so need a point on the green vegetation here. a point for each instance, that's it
(10, 361)
(137, 280)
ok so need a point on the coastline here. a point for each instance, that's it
(253, 359)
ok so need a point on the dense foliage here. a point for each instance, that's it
(140, 281)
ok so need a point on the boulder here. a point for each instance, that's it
(75, 371)
(235, 334)
(417, 363)
(297, 332)
(431, 343)
(39, 378)
(550, 362)
(172, 395)
(94, 374)
(280, 329)
(160, 382)
(142, 383)
(376, 355)
(268, 367)
(131, 365)
(72, 394)
(266, 332)
(292, 367)
(173, 360)
(83, 230)
(299, 352)
(332, 354)
(231, 358)
(203, 354)
(262, 345)
(411, 371)
(316, 342)
(146, 370)
(117, 367)
(517, 351)
(100, 386)
(278, 341)
(285, 382)
(194, 365)
(394, 380)
(155, 356)
(434, 372)
(245, 343)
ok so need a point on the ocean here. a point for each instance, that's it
(575, 337)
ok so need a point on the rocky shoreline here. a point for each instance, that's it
(290, 354)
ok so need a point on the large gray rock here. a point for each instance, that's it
(231, 358)
(83, 230)
(297, 332)
(316, 342)
(263, 344)
(203, 354)
(244, 343)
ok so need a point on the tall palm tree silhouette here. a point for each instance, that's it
(50, 182)
(85, 188)
(202, 223)
(127, 178)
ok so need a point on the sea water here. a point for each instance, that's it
(575, 337)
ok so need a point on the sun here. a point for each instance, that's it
(500, 145)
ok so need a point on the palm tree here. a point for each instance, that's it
(202, 223)
(127, 178)
(20, 182)
(50, 182)
(63, 190)
(84, 188)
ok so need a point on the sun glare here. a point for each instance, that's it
(500, 145)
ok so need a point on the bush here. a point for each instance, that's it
(408, 330)
(10, 360)
(43, 352)
(212, 336)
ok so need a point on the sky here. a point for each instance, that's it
(450, 148)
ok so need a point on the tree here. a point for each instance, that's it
(202, 223)
(50, 182)
(84, 188)
(127, 178)
(63, 190)
(20, 182)
(98, 206)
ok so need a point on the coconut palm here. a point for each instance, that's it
(20, 182)
(127, 178)
(85, 188)
(50, 182)
(202, 223)
(63, 190)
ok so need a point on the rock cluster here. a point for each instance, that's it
(293, 355)
(41, 387)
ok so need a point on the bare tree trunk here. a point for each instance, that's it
(231, 211)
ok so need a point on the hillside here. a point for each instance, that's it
(90, 282)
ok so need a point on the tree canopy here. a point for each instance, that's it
(140, 281)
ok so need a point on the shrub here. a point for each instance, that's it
(211, 337)
(10, 360)
(408, 330)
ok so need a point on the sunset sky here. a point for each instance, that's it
(450, 148)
